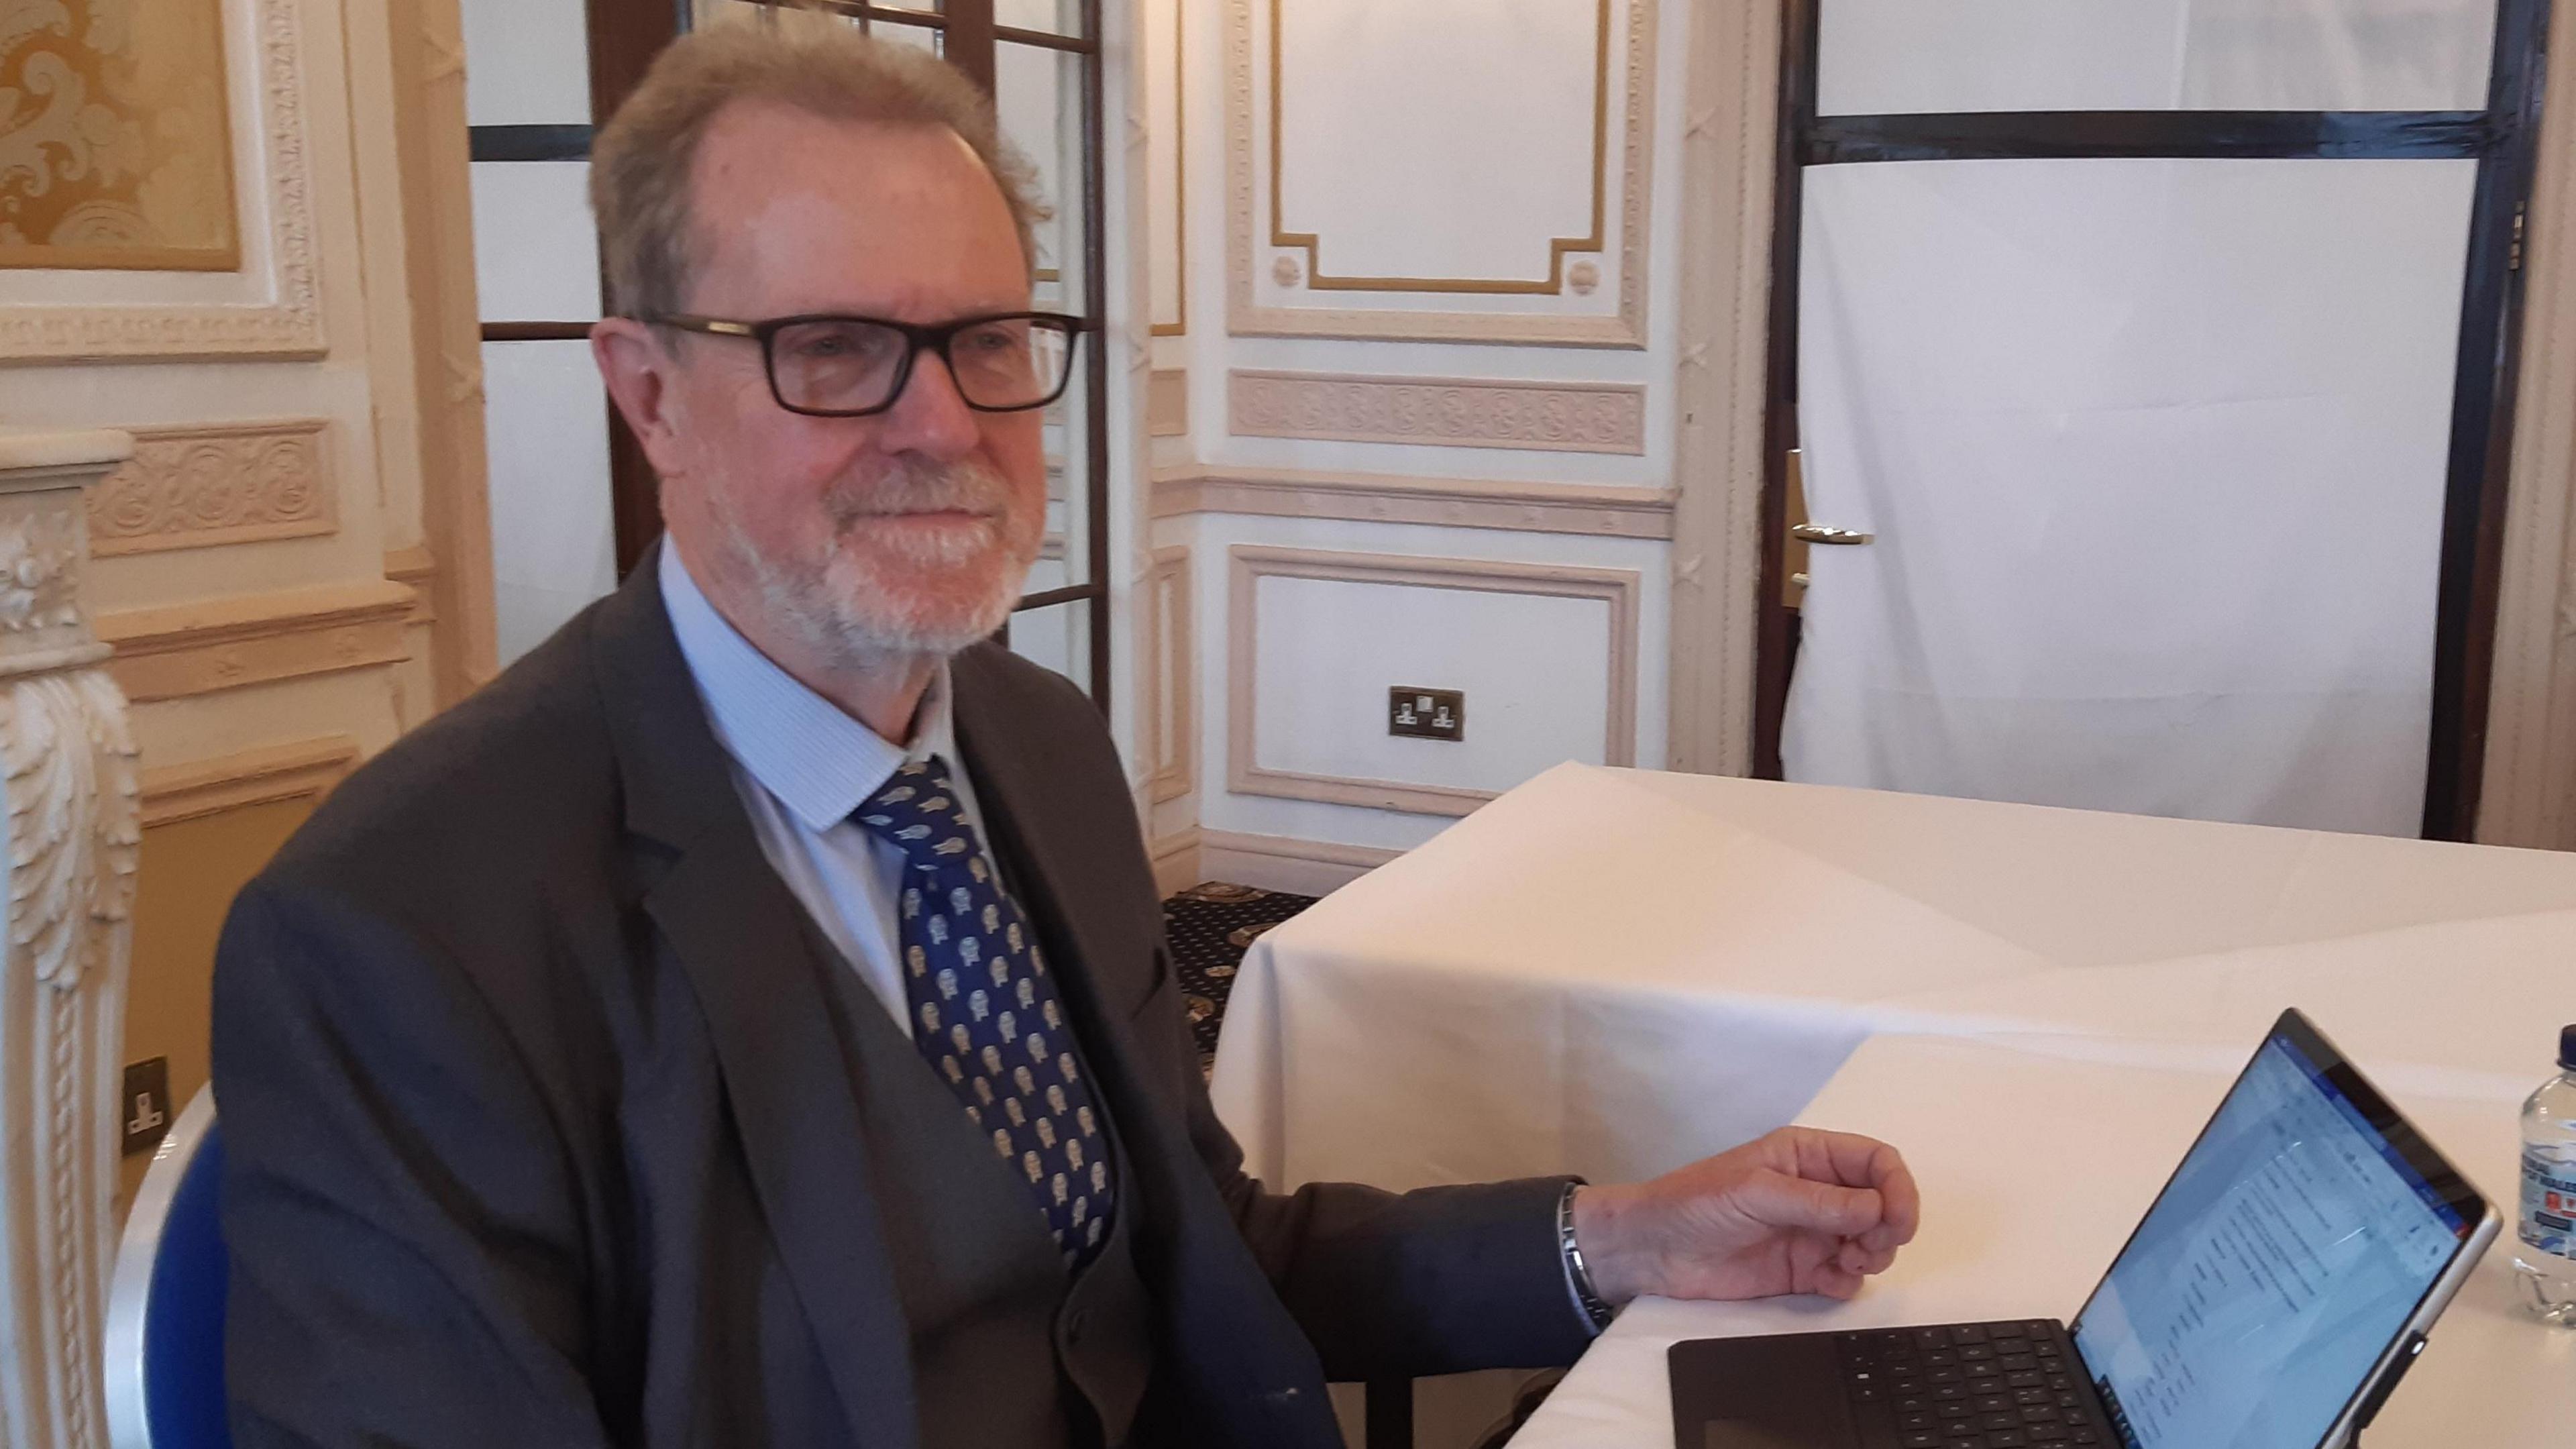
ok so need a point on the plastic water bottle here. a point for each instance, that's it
(2546, 1255)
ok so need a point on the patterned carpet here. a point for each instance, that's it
(1211, 926)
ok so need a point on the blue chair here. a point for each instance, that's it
(164, 1375)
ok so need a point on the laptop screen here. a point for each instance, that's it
(2288, 1251)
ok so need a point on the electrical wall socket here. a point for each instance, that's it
(146, 1113)
(1426, 714)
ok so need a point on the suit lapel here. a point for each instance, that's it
(1061, 820)
(734, 929)
(1051, 844)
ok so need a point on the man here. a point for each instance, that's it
(747, 1021)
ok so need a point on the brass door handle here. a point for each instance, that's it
(1823, 533)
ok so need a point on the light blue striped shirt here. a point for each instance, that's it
(802, 766)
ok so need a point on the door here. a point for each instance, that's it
(2144, 366)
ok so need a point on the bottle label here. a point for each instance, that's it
(2549, 1203)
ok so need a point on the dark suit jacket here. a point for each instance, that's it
(537, 1132)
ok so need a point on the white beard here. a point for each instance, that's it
(844, 610)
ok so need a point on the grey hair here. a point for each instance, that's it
(644, 159)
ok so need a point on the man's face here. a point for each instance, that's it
(908, 531)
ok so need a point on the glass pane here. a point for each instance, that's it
(527, 63)
(707, 12)
(1057, 636)
(2154, 455)
(1892, 57)
(1056, 557)
(916, 36)
(1069, 522)
(554, 544)
(536, 247)
(1039, 95)
(1055, 17)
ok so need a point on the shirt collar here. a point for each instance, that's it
(818, 761)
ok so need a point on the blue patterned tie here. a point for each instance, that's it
(984, 1010)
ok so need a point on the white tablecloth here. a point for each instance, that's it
(2035, 1167)
(1613, 972)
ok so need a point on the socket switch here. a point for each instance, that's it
(1426, 714)
(146, 1113)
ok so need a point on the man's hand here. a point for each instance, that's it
(1798, 1211)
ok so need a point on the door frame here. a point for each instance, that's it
(2503, 138)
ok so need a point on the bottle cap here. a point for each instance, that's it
(2567, 1047)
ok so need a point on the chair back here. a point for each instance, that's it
(164, 1376)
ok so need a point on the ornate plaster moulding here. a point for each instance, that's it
(283, 320)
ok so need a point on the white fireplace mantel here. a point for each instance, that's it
(95, 450)
(69, 837)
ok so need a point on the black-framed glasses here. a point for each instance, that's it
(828, 366)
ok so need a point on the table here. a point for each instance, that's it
(1613, 972)
(2037, 1162)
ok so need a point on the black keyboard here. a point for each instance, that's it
(1969, 1386)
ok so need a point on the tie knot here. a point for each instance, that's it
(918, 811)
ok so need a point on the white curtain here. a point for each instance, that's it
(2154, 452)
(1914, 56)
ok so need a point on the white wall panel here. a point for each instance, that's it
(527, 63)
(554, 545)
(536, 248)
(1039, 97)
(1414, 136)
(1327, 651)
(1485, 644)
(1442, 169)
(1438, 138)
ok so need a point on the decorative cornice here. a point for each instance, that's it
(1592, 509)
(288, 325)
(168, 653)
(1568, 417)
(194, 487)
(1245, 315)
(417, 567)
(414, 565)
(304, 769)
(44, 622)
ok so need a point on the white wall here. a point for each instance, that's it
(1454, 317)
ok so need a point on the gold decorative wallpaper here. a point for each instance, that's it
(115, 147)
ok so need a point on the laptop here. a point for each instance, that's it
(2272, 1297)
